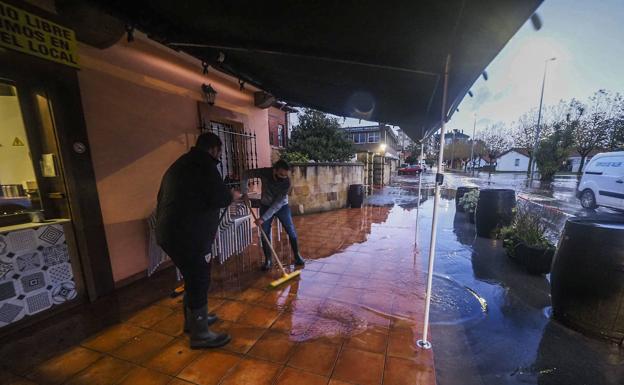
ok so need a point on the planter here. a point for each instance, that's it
(461, 191)
(510, 244)
(587, 277)
(537, 260)
(495, 209)
(471, 217)
(355, 196)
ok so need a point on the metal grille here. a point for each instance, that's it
(239, 151)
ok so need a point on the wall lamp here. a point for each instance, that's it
(209, 93)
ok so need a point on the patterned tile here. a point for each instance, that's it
(51, 234)
(63, 292)
(7, 290)
(55, 255)
(60, 273)
(10, 312)
(22, 240)
(28, 261)
(33, 282)
(5, 270)
(3, 245)
(38, 302)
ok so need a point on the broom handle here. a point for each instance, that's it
(266, 239)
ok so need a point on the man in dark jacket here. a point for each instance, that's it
(191, 195)
(274, 203)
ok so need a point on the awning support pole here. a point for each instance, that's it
(424, 343)
(422, 157)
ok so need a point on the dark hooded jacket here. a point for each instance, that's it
(191, 194)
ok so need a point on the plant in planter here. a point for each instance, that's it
(525, 240)
(469, 202)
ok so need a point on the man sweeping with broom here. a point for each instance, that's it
(274, 203)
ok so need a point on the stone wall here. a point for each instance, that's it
(322, 186)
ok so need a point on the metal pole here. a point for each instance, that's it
(474, 132)
(424, 343)
(453, 150)
(539, 119)
(422, 156)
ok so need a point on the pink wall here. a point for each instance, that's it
(140, 104)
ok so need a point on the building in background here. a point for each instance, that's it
(378, 148)
(513, 160)
(279, 126)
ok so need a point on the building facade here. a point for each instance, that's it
(513, 160)
(89, 136)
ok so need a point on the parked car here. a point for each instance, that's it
(412, 169)
(602, 183)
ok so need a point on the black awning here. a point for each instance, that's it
(380, 61)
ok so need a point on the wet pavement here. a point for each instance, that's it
(353, 317)
(490, 319)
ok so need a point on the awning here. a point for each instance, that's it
(376, 60)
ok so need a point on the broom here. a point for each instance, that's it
(285, 276)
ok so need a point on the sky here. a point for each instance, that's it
(586, 39)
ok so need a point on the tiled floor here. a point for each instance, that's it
(353, 317)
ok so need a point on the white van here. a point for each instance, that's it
(602, 183)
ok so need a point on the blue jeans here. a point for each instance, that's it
(285, 217)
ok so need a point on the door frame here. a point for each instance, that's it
(31, 76)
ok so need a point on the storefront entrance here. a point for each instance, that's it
(52, 247)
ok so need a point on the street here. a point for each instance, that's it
(559, 195)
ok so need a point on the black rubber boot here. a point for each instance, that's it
(268, 263)
(268, 260)
(299, 261)
(201, 336)
(211, 319)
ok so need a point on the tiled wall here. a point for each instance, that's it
(35, 272)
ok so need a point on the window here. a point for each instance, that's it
(359, 137)
(280, 136)
(373, 137)
(517, 163)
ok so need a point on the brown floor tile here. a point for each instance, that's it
(142, 347)
(112, 338)
(259, 317)
(107, 371)
(402, 343)
(315, 357)
(143, 376)
(372, 340)
(231, 310)
(277, 299)
(21, 381)
(292, 376)
(172, 359)
(338, 382)
(150, 316)
(177, 381)
(243, 337)
(173, 325)
(209, 368)
(400, 371)
(313, 290)
(250, 371)
(251, 295)
(359, 366)
(273, 346)
(214, 303)
(60, 368)
(174, 303)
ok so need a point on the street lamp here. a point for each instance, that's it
(539, 117)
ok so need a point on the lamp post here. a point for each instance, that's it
(539, 118)
(474, 132)
(382, 149)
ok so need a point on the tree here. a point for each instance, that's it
(554, 149)
(320, 138)
(524, 134)
(496, 140)
(591, 124)
(616, 124)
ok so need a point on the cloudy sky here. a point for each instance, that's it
(586, 37)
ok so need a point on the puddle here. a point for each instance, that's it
(453, 303)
